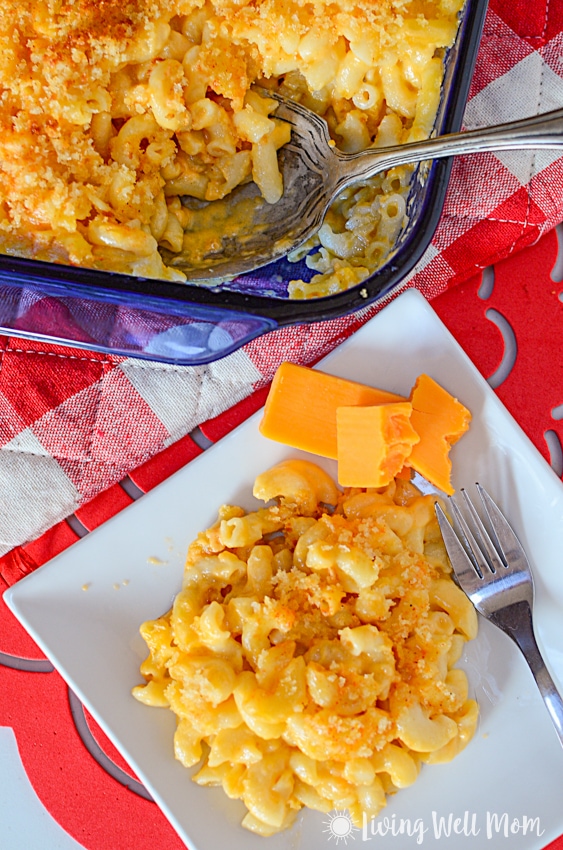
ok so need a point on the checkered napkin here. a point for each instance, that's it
(74, 422)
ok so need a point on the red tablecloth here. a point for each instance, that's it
(82, 433)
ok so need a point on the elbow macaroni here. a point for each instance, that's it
(309, 656)
(108, 122)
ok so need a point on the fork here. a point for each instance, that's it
(315, 172)
(491, 566)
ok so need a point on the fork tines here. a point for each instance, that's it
(486, 556)
(482, 546)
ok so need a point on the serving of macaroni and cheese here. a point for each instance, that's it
(310, 655)
(120, 119)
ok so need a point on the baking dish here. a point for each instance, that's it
(189, 324)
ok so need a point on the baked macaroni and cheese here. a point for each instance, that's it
(310, 655)
(120, 120)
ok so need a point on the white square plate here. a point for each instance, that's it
(503, 787)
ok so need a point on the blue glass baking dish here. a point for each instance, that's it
(189, 324)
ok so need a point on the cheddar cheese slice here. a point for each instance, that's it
(301, 406)
(440, 420)
(373, 443)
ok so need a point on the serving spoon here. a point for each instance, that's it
(249, 233)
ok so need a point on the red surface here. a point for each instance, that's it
(103, 506)
(14, 640)
(22, 560)
(162, 465)
(526, 295)
(90, 805)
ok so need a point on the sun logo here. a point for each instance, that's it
(340, 827)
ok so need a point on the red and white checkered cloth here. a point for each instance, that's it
(73, 423)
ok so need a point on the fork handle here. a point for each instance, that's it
(523, 636)
(537, 131)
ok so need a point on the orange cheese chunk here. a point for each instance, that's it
(300, 410)
(440, 420)
(373, 443)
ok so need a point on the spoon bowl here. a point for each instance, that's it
(314, 172)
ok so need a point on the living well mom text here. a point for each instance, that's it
(487, 825)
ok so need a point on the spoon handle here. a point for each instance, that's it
(539, 131)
